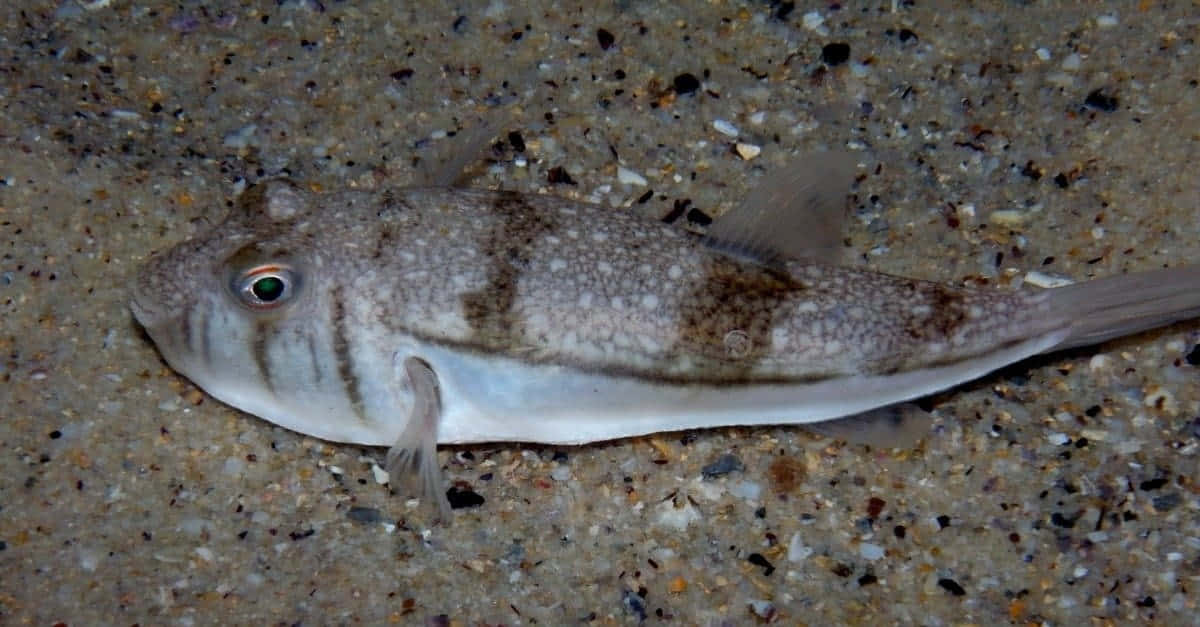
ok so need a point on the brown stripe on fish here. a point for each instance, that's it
(341, 350)
(508, 248)
(259, 345)
(206, 334)
(384, 241)
(731, 313)
(948, 309)
(314, 358)
(187, 332)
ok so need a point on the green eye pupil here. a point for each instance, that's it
(267, 289)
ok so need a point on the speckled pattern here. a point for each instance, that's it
(1001, 141)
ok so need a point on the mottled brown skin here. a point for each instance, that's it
(555, 282)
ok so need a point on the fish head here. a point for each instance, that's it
(241, 311)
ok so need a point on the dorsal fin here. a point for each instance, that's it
(467, 147)
(793, 213)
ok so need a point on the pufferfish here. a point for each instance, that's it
(409, 317)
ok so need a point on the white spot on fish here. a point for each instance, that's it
(557, 264)
(650, 301)
(674, 272)
(779, 338)
(807, 306)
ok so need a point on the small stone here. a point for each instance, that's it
(364, 515)
(761, 608)
(1007, 217)
(797, 551)
(605, 38)
(724, 465)
(813, 20)
(758, 560)
(725, 128)
(685, 83)
(1100, 100)
(747, 151)
(461, 499)
(951, 586)
(870, 552)
(835, 53)
(629, 177)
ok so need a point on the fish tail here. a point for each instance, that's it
(1106, 308)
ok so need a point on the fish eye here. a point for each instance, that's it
(266, 287)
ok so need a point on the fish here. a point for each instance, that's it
(410, 317)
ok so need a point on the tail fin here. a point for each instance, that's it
(1108, 308)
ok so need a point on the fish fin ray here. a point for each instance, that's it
(794, 213)
(414, 455)
(902, 425)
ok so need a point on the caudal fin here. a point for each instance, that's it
(1111, 307)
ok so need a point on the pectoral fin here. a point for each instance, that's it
(415, 452)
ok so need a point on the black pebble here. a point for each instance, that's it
(1152, 484)
(300, 535)
(758, 560)
(1100, 100)
(784, 10)
(867, 579)
(686, 83)
(516, 141)
(1061, 180)
(462, 499)
(724, 465)
(1058, 520)
(402, 74)
(835, 54)
(606, 39)
(952, 587)
(558, 175)
(364, 515)
(907, 35)
(1193, 358)
(695, 216)
(943, 521)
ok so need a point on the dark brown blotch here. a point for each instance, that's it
(508, 248)
(739, 298)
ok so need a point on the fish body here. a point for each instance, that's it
(411, 317)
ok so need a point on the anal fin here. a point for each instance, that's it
(896, 426)
(415, 452)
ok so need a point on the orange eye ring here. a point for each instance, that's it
(265, 287)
